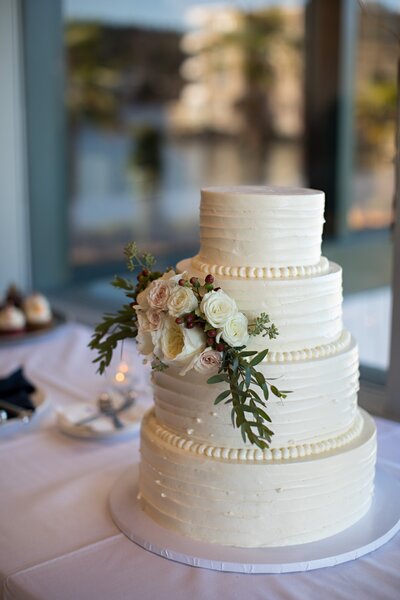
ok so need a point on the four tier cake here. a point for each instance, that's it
(316, 478)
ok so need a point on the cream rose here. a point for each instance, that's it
(178, 344)
(143, 321)
(142, 299)
(208, 362)
(182, 300)
(155, 319)
(218, 308)
(235, 331)
(145, 343)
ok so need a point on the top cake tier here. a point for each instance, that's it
(261, 226)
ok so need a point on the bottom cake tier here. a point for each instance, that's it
(250, 502)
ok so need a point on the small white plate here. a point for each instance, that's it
(100, 428)
(13, 426)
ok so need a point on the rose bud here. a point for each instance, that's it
(212, 333)
(209, 278)
(220, 347)
(210, 341)
(190, 318)
(182, 282)
(194, 281)
(189, 325)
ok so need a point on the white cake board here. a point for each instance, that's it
(377, 527)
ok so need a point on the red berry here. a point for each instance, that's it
(179, 320)
(193, 280)
(209, 278)
(182, 282)
(220, 347)
(209, 341)
(190, 318)
(212, 333)
(190, 325)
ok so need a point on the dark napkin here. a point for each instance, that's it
(17, 389)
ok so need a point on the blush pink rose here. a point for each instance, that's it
(155, 319)
(159, 292)
(208, 362)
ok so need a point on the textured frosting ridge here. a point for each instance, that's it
(257, 503)
(251, 454)
(322, 404)
(306, 310)
(270, 226)
(261, 272)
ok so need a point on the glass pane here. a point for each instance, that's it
(163, 100)
(368, 311)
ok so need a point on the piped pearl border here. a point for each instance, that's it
(254, 454)
(311, 353)
(262, 272)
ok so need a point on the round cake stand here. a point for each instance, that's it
(377, 527)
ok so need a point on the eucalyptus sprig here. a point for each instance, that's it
(248, 406)
(261, 327)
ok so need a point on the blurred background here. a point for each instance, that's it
(115, 113)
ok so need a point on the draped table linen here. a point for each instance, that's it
(57, 538)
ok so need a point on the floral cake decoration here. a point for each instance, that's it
(190, 323)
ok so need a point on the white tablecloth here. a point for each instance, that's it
(57, 539)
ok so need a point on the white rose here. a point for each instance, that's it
(155, 319)
(143, 321)
(179, 344)
(235, 331)
(218, 308)
(182, 300)
(208, 362)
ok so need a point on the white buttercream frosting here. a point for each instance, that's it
(259, 502)
(261, 226)
(197, 476)
(253, 453)
(261, 272)
(307, 310)
(322, 403)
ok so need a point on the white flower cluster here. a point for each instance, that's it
(162, 335)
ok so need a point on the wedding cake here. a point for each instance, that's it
(316, 478)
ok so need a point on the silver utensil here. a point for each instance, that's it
(128, 402)
(21, 413)
(107, 407)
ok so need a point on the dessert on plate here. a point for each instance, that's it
(37, 311)
(12, 320)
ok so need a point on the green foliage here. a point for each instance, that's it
(248, 405)
(113, 329)
(261, 327)
(247, 390)
(136, 259)
(122, 325)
